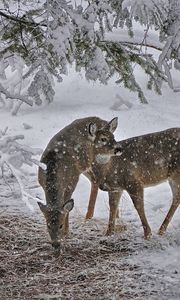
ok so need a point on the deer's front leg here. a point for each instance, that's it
(70, 187)
(66, 225)
(114, 198)
(136, 193)
(92, 201)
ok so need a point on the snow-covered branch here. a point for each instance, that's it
(40, 39)
(21, 20)
(14, 156)
(13, 96)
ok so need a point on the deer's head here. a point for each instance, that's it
(55, 220)
(104, 143)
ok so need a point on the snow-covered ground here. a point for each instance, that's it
(158, 259)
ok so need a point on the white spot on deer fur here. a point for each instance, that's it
(103, 158)
(159, 162)
(77, 148)
(134, 163)
(119, 153)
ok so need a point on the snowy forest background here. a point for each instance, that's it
(63, 60)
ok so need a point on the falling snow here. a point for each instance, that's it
(123, 266)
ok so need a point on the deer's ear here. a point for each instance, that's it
(92, 129)
(68, 206)
(42, 207)
(113, 124)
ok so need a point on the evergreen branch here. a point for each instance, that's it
(121, 63)
(15, 96)
(142, 44)
(22, 39)
(21, 20)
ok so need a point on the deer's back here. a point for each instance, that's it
(161, 149)
(71, 137)
(70, 146)
(148, 159)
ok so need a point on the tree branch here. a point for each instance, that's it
(142, 44)
(21, 20)
(15, 96)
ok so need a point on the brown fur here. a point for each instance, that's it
(69, 153)
(144, 161)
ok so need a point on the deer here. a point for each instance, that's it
(143, 161)
(71, 152)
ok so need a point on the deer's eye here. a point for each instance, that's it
(103, 139)
(61, 226)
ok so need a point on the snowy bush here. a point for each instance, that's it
(14, 156)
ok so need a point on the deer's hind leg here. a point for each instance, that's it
(175, 187)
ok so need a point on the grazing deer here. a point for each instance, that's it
(69, 153)
(144, 161)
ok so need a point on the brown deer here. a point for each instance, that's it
(144, 161)
(69, 153)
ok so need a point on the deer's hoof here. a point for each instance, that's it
(148, 236)
(110, 232)
(88, 217)
(121, 227)
(161, 231)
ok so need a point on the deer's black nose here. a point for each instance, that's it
(57, 250)
(56, 245)
(118, 149)
(103, 187)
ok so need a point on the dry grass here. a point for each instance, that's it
(87, 268)
(90, 267)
